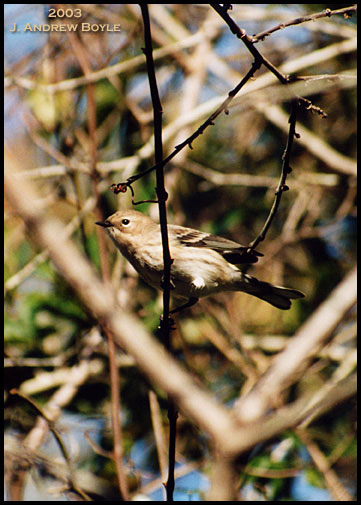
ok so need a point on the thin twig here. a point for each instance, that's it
(166, 321)
(303, 19)
(284, 79)
(160, 189)
(122, 187)
(282, 183)
(249, 43)
(242, 35)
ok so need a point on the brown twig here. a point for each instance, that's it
(346, 11)
(286, 169)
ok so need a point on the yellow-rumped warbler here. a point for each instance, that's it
(203, 264)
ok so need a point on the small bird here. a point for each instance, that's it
(203, 264)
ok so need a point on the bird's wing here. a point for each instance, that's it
(231, 251)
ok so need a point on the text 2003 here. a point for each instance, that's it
(61, 13)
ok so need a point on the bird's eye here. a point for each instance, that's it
(125, 222)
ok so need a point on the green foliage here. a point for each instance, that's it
(314, 477)
(274, 488)
(36, 315)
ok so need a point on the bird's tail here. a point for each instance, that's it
(277, 296)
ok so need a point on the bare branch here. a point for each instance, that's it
(346, 11)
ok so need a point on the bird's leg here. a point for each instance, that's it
(192, 301)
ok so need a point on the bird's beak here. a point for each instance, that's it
(104, 224)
